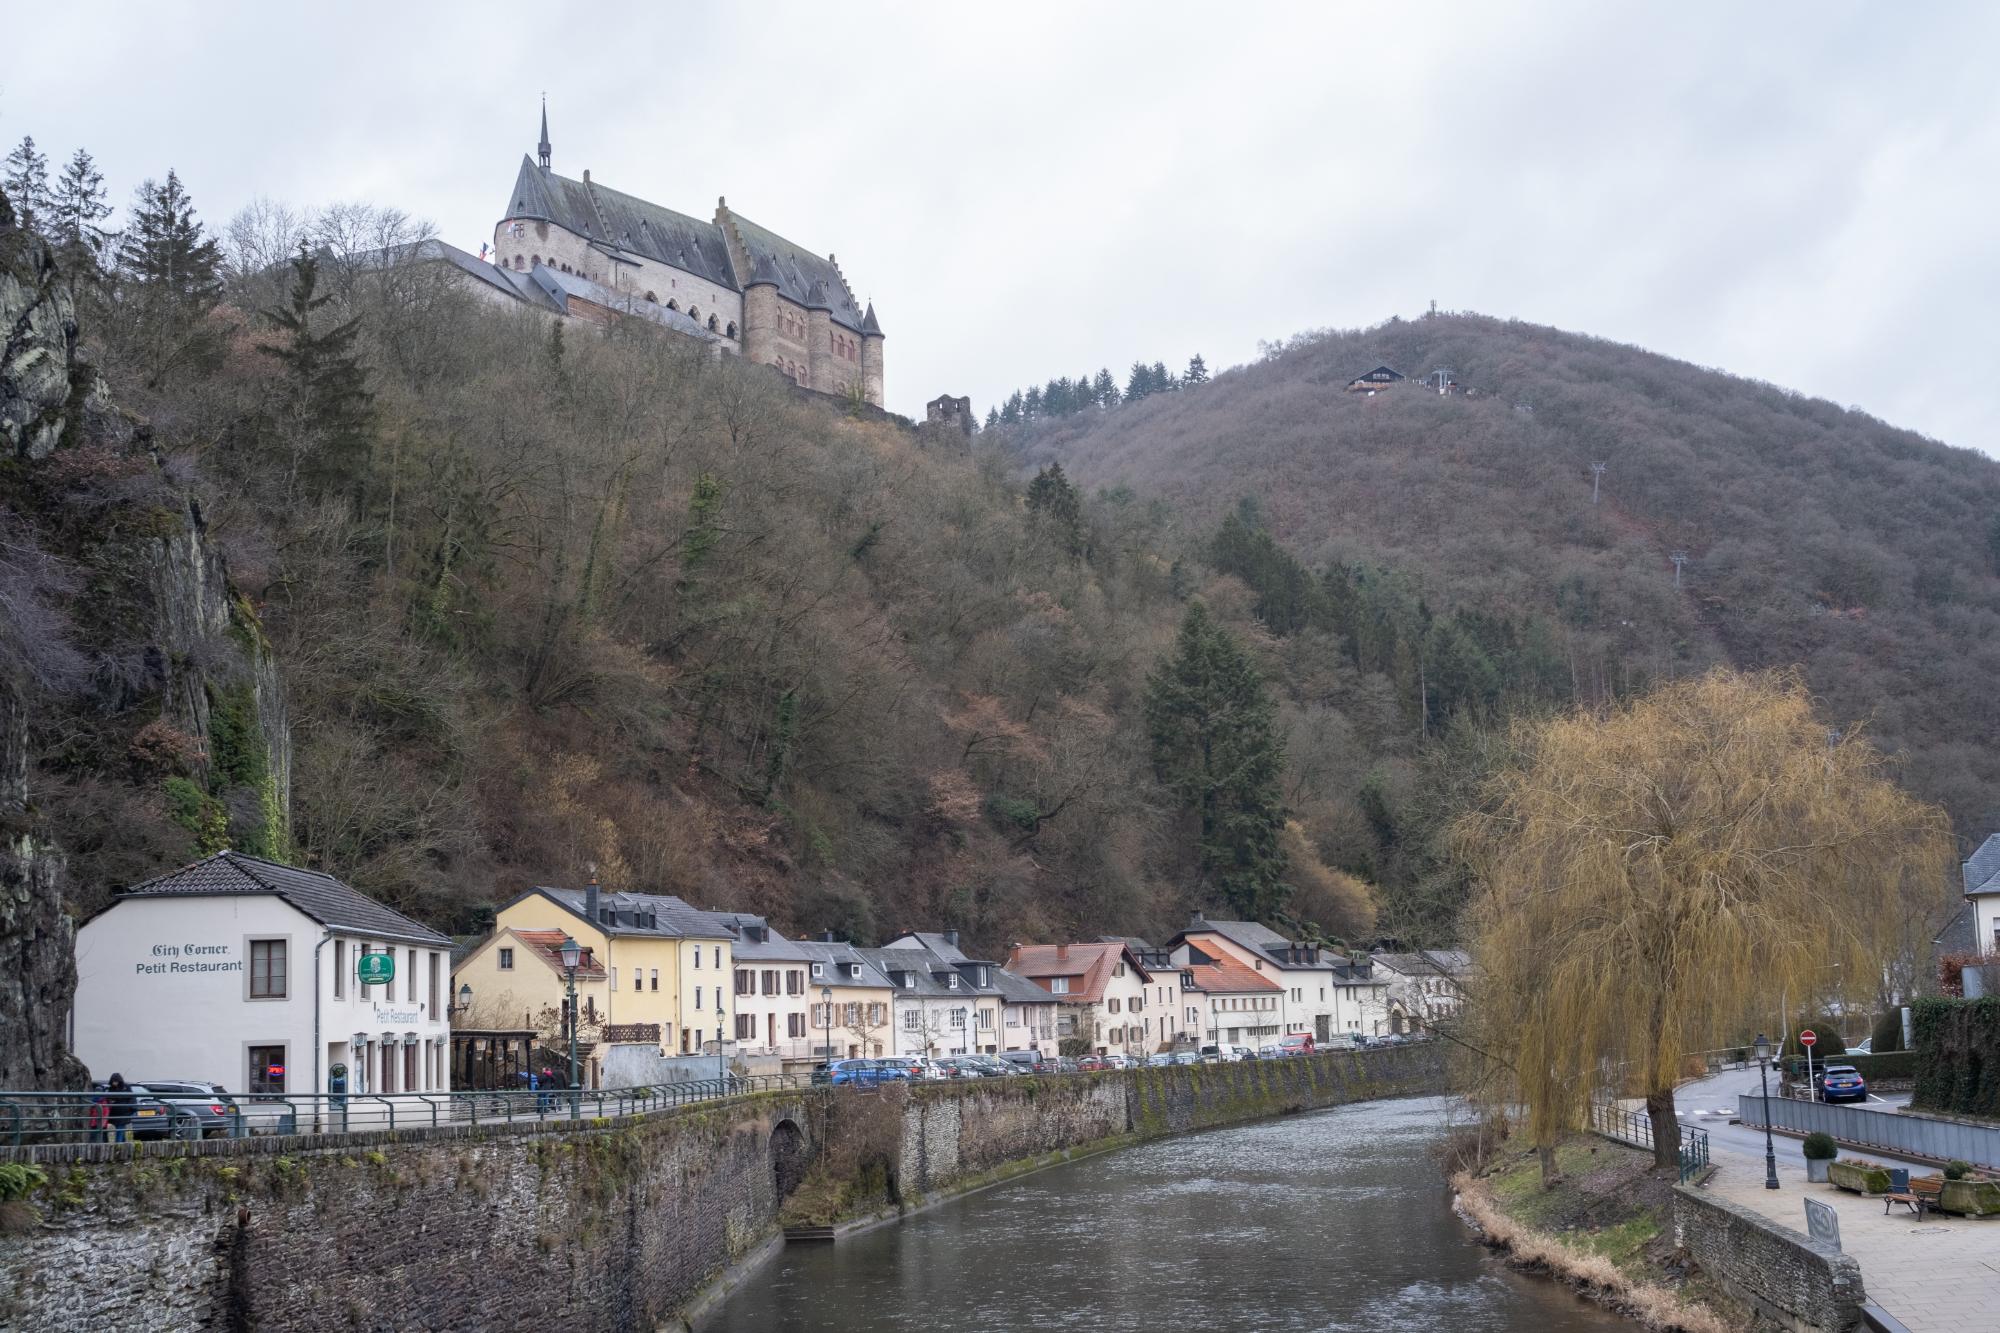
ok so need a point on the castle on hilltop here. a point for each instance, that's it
(750, 290)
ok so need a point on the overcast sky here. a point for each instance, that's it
(1803, 193)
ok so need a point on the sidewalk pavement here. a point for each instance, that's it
(1937, 1273)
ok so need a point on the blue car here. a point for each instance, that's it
(1841, 1083)
(865, 1073)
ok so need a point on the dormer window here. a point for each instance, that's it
(819, 969)
(952, 981)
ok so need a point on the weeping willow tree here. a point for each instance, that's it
(1651, 877)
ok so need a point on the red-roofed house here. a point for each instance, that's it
(1101, 990)
(1229, 1003)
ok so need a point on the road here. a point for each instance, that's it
(1936, 1274)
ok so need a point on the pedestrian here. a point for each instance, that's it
(119, 1106)
(97, 1120)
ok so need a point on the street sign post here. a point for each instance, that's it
(1808, 1039)
(375, 969)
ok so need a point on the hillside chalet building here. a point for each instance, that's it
(728, 279)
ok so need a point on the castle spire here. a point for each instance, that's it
(542, 148)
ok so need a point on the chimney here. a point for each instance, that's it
(951, 938)
(1197, 919)
(829, 937)
(1062, 953)
(590, 901)
(586, 175)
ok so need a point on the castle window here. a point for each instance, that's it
(565, 268)
(654, 299)
(535, 262)
(714, 324)
(694, 312)
(519, 263)
(732, 328)
(673, 304)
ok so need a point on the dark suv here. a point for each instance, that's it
(1030, 1062)
(209, 1105)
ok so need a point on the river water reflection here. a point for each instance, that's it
(1332, 1221)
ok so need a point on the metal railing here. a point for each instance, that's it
(86, 1117)
(1636, 1128)
(1904, 1133)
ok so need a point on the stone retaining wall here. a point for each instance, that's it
(604, 1224)
(1787, 1276)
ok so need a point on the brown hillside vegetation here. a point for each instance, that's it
(1817, 535)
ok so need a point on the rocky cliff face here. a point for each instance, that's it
(130, 668)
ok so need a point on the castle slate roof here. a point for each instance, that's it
(320, 896)
(1982, 868)
(615, 219)
(868, 324)
(798, 269)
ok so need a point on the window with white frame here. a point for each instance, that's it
(1058, 985)
(912, 1020)
(958, 1018)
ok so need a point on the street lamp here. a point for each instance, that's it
(572, 954)
(826, 1008)
(1763, 1049)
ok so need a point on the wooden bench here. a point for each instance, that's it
(1921, 1197)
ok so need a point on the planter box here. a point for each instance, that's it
(1857, 1178)
(1970, 1198)
(1816, 1169)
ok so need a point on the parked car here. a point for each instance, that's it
(913, 1066)
(1068, 1064)
(209, 1104)
(1117, 1061)
(1030, 1062)
(1270, 1050)
(1297, 1043)
(1841, 1083)
(1183, 1058)
(866, 1073)
(991, 1066)
(1089, 1064)
(151, 1117)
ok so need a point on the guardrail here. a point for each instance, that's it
(1901, 1132)
(1636, 1128)
(83, 1117)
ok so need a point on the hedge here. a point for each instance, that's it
(1957, 1055)
(1894, 1065)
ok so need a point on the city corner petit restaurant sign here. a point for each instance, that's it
(375, 967)
(172, 958)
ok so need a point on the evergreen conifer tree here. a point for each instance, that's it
(1013, 409)
(1106, 389)
(328, 409)
(1058, 507)
(992, 417)
(1032, 405)
(174, 273)
(78, 205)
(1216, 747)
(1197, 371)
(1141, 382)
(27, 183)
(1163, 382)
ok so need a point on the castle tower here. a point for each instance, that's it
(760, 314)
(819, 339)
(871, 358)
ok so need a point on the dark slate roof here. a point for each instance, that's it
(1982, 868)
(868, 324)
(841, 956)
(798, 269)
(772, 948)
(1380, 375)
(618, 220)
(670, 917)
(320, 896)
(557, 287)
(1261, 941)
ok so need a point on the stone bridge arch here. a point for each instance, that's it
(791, 1154)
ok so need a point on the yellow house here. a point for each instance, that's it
(517, 981)
(665, 963)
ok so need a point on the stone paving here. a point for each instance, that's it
(1937, 1273)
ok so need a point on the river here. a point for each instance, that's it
(1325, 1222)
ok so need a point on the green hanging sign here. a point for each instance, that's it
(376, 969)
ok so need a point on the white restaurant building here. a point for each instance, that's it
(244, 972)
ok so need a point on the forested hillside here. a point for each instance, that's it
(545, 600)
(1815, 535)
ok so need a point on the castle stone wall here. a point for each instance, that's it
(558, 246)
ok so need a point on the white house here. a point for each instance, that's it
(773, 1004)
(1982, 892)
(1101, 991)
(246, 973)
(1313, 993)
(1424, 987)
(1007, 1011)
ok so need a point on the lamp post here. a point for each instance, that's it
(826, 1008)
(572, 954)
(451, 1011)
(1763, 1049)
